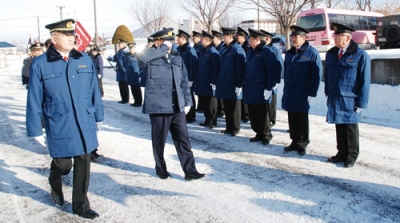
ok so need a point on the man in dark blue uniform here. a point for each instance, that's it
(196, 42)
(347, 82)
(206, 80)
(230, 81)
(241, 36)
(303, 70)
(167, 99)
(63, 89)
(220, 47)
(189, 57)
(261, 72)
(279, 59)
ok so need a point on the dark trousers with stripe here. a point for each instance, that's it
(123, 91)
(161, 124)
(62, 166)
(347, 139)
(232, 114)
(299, 129)
(259, 120)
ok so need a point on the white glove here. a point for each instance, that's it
(187, 109)
(190, 84)
(99, 75)
(275, 87)
(98, 127)
(238, 91)
(41, 140)
(358, 110)
(213, 87)
(267, 94)
(310, 99)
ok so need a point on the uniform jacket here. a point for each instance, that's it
(189, 57)
(261, 72)
(132, 70)
(347, 83)
(25, 70)
(198, 47)
(303, 72)
(120, 59)
(66, 94)
(221, 48)
(164, 74)
(98, 64)
(231, 72)
(209, 63)
(279, 59)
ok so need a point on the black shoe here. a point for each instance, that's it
(301, 151)
(136, 105)
(349, 163)
(203, 124)
(123, 102)
(245, 120)
(265, 142)
(89, 214)
(290, 148)
(234, 133)
(58, 198)
(336, 159)
(190, 120)
(94, 156)
(224, 131)
(255, 139)
(194, 176)
(163, 175)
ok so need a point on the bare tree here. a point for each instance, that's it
(151, 14)
(315, 3)
(332, 3)
(206, 11)
(388, 7)
(363, 4)
(284, 11)
(230, 19)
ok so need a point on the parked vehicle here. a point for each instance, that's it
(318, 23)
(388, 32)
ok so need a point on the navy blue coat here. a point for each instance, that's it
(261, 72)
(347, 83)
(279, 66)
(303, 72)
(189, 57)
(98, 64)
(198, 47)
(120, 59)
(67, 96)
(232, 72)
(162, 74)
(221, 48)
(132, 70)
(209, 63)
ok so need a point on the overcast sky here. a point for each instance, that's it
(19, 18)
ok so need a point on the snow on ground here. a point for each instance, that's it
(245, 182)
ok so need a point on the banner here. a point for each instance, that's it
(82, 37)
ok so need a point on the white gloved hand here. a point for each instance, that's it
(213, 87)
(267, 94)
(99, 75)
(358, 110)
(275, 87)
(187, 109)
(190, 84)
(310, 99)
(41, 140)
(238, 91)
(98, 126)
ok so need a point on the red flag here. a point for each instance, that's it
(82, 37)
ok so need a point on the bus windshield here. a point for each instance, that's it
(313, 22)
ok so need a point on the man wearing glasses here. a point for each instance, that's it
(347, 81)
(63, 88)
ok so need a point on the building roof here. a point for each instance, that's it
(6, 45)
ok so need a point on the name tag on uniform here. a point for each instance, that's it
(82, 66)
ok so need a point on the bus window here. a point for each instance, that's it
(363, 23)
(352, 21)
(336, 18)
(313, 23)
(371, 23)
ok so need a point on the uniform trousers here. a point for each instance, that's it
(191, 115)
(124, 91)
(232, 115)
(299, 129)
(259, 120)
(62, 166)
(347, 139)
(175, 123)
(220, 109)
(209, 106)
(272, 110)
(245, 112)
(137, 94)
(101, 86)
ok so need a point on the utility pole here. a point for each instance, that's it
(38, 28)
(61, 7)
(95, 23)
(258, 14)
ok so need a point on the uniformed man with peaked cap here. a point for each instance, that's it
(64, 91)
(36, 50)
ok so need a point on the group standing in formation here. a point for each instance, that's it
(234, 73)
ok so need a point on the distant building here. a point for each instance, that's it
(271, 26)
(7, 48)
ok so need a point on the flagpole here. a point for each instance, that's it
(95, 23)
